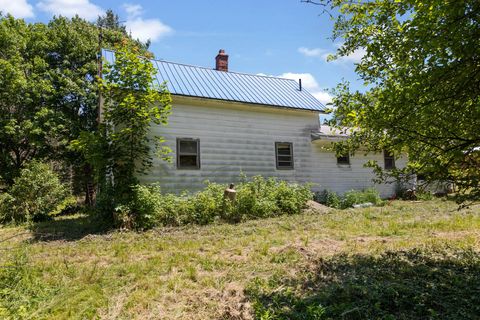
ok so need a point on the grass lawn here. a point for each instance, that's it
(406, 260)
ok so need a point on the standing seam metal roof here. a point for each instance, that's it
(187, 80)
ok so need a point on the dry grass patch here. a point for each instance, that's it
(201, 272)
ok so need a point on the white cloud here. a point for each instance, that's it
(144, 29)
(17, 8)
(354, 57)
(132, 10)
(315, 52)
(310, 83)
(70, 8)
(308, 80)
(323, 96)
(149, 29)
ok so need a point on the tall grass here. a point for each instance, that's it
(257, 198)
(201, 272)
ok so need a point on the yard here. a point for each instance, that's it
(403, 260)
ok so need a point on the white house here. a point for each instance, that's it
(227, 123)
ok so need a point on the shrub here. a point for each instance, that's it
(403, 192)
(353, 197)
(35, 194)
(150, 207)
(260, 198)
(142, 211)
(350, 198)
(106, 209)
(257, 198)
(7, 209)
(207, 204)
(328, 198)
(291, 198)
(424, 195)
(66, 206)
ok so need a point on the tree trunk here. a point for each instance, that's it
(89, 185)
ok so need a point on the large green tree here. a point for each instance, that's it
(422, 73)
(25, 118)
(133, 101)
(123, 147)
(49, 90)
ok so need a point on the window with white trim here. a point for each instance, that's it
(188, 153)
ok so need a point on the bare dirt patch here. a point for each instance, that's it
(233, 303)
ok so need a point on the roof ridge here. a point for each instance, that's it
(206, 68)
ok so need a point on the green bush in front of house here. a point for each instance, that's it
(329, 198)
(353, 197)
(257, 198)
(349, 199)
(35, 195)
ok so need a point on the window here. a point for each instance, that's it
(389, 160)
(343, 159)
(284, 155)
(188, 153)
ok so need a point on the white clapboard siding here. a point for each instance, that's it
(239, 138)
(341, 178)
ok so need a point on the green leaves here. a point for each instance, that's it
(48, 88)
(36, 193)
(422, 65)
(132, 104)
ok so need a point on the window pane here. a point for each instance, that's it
(187, 161)
(284, 155)
(187, 146)
(287, 164)
(389, 163)
(343, 160)
(284, 158)
(389, 160)
(387, 154)
(284, 150)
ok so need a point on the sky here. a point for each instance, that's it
(285, 38)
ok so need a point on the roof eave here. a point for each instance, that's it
(249, 103)
(315, 136)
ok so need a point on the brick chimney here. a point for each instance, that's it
(221, 61)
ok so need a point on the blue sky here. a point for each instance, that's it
(281, 38)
